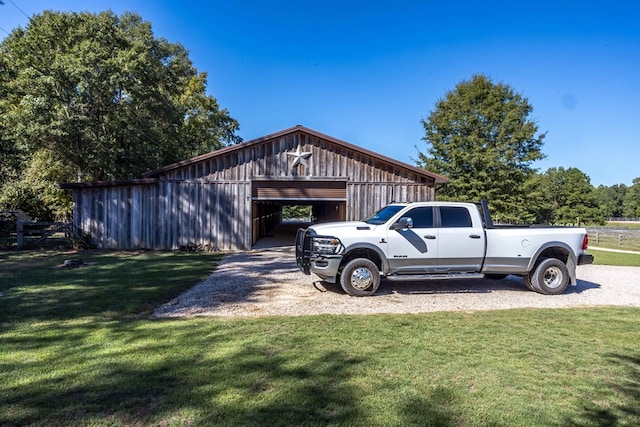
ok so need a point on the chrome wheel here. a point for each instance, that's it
(549, 277)
(553, 277)
(361, 278)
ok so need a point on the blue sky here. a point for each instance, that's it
(367, 72)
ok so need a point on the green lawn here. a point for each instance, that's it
(77, 347)
(614, 258)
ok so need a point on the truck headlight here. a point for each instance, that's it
(325, 245)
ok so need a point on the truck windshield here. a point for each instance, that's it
(383, 215)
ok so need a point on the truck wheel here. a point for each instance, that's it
(527, 282)
(360, 277)
(550, 277)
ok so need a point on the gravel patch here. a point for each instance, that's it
(268, 282)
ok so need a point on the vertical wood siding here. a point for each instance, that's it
(364, 198)
(170, 215)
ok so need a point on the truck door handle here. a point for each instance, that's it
(430, 237)
(475, 236)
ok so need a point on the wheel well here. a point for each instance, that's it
(369, 254)
(554, 252)
(561, 253)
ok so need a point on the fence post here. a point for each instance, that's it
(597, 238)
(20, 233)
(620, 240)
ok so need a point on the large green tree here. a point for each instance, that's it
(631, 203)
(481, 136)
(104, 97)
(570, 196)
(611, 199)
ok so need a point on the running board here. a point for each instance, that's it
(442, 276)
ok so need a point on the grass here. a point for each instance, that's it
(78, 348)
(114, 283)
(614, 258)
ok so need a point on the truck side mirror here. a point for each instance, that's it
(404, 222)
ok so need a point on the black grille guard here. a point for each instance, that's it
(303, 248)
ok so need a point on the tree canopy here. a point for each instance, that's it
(481, 136)
(570, 198)
(101, 97)
(631, 202)
(611, 199)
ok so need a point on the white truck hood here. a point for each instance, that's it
(331, 228)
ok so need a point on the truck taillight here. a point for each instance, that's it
(585, 242)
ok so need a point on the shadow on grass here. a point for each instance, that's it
(627, 391)
(77, 350)
(143, 378)
(115, 284)
(434, 409)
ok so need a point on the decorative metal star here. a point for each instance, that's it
(299, 157)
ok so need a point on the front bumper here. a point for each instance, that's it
(324, 266)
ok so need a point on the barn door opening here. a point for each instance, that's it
(275, 223)
(281, 206)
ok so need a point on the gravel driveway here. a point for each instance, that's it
(268, 282)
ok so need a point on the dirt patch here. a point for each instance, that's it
(268, 282)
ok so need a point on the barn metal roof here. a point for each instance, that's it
(439, 179)
(152, 176)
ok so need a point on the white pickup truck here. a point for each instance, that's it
(440, 240)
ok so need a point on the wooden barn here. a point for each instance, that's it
(229, 198)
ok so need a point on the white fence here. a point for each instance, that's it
(614, 237)
(618, 219)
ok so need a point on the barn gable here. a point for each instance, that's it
(228, 199)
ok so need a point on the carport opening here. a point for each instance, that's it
(297, 214)
(275, 223)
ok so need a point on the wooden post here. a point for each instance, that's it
(20, 232)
